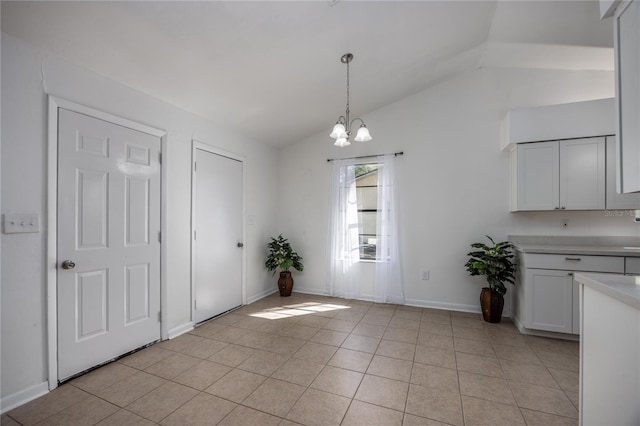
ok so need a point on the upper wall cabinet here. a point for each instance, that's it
(582, 174)
(615, 200)
(559, 175)
(558, 122)
(627, 56)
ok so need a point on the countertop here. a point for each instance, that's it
(623, 288)
(598, 246)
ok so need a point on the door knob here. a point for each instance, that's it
(68, 264)
(240, 245)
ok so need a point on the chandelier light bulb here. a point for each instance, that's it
(363, 134)
(342, 142)
(338, 132)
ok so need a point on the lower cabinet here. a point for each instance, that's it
(546, 297)
(550, 300)
(632, 266)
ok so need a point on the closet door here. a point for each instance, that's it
(217, 234)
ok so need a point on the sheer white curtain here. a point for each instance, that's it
(343, 247)
(343, 250)
(389, 283)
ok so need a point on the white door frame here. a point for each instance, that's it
(52, 220)
(203, 146)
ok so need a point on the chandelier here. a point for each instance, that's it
(342, 130)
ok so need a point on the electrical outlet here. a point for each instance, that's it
(565, 223)
(425, 275)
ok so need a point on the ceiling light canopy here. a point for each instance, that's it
(342, 130)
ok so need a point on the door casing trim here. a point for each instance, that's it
(242, 159)
(54, 103)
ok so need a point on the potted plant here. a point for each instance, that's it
(495, 263)
(282, 256)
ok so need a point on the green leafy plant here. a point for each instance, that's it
(282, 256)
(494, 262)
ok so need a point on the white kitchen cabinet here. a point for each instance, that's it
(546, 295)
(549, 300)
(632, 266)
(615, 200)
(560, 175)
(538, 176)
(627, 66)
(582, 174)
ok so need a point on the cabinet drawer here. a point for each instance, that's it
(632, 266)
(575, 262)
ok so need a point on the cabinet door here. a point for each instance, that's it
(549, 300)
(632, 266)
(615, 200)
(575, 285)
(627, 50)
(582, 174)
(538, 176)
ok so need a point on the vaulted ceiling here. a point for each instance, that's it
(271, 70)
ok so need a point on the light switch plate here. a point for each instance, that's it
(17, 223)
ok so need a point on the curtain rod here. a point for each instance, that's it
(364, 156)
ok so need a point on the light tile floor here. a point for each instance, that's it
(317, 360)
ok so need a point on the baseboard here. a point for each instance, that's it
(365, 297)
(409, 302)
(261, 295)
(521, 328)
(17, 399)
(541, 333)
(297, 289)
(180, 330)
(444, 306)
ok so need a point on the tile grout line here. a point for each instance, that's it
(403, 323)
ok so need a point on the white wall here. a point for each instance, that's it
(453, 179)
(27, 76)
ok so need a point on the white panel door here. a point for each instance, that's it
(582, 174)
(217, 232)
(538, 179)
(108, 228)
(549, 300)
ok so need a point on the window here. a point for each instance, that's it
(367, 195)
(363, 223)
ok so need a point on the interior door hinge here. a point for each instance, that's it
(159, 236)
(160, 157)
(159, 316)
(194, 234)
(195, 166)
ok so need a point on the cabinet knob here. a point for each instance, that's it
(557, 208)
(562, 208)
(577, 259)
(570, 274)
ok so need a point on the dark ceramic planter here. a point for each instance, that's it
(491, 303)
(285, 284)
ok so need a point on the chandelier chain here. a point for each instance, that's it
(348, 90)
